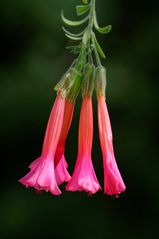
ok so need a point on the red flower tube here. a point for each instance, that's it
(61, 172)
(74, 83)
(113, 182)
(84, 178)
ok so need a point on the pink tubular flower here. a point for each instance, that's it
(42, 173)
(70, 86)
(61, 172)
(84, 178)
(113, 182)
(68, 114)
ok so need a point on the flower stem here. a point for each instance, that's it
(96, 53)
(88, 42)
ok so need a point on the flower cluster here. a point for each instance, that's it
(51, 169)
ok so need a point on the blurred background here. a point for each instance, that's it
(32, 60)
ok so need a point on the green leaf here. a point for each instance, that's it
(103, 30)
(71, 47)
(82, 9)
(74, 49)
(73, 23)
(74, 38)
(75, 52)
(74, 46)
(85, 1)
(73, 34)
(99, 49)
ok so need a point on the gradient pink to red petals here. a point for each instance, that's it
(113, 182)
(84, 178)
(50, 169)
(68, 114)
(61, 172)
(42, 173)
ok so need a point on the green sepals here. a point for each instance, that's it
(85, 1)
(103, 30)
(67, 81)
(74, 91)
(81, 61)
(87, 85)
(82, 9)
(73, 23)
(100, 80)
(98, 47)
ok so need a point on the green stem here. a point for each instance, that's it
(90, 26)
(96, 53)
(91, 18)
(87, 43)
(82, 53)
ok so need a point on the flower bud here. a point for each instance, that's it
(100, 80)
(88, 80)
(67, 82)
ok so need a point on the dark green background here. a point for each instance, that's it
(32, 60)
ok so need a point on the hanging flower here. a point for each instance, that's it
(70, 88)
(84, 178)
(113, 182)
(42, 174)
(51, 169)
